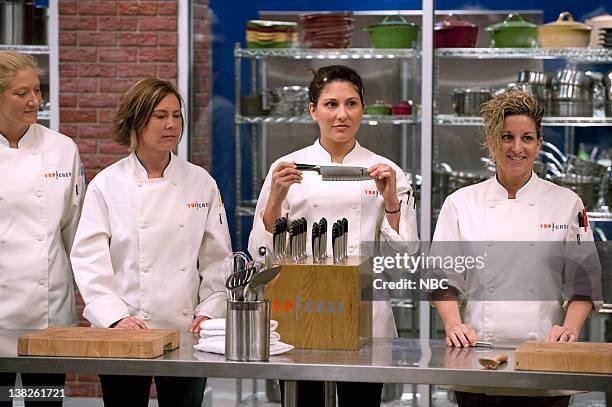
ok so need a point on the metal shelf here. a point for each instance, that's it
(452, 120)
(366, 119)
(603, 55)
(331, 53)
(600, 216)
(44, 115)
(246, 208)
(26, 49)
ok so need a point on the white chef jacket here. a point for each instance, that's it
(40, 201)
(151, 248)
(357, 201)
(483, 215)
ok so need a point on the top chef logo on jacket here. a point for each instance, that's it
(197, 205)
(372, 192)
(553, 226)
(54, 174)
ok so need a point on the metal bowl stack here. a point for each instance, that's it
(607, 82)
(571, 93)
(535, 83)
(289, 101)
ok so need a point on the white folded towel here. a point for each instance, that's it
(274, 338)
(217, 327)
(219, 347)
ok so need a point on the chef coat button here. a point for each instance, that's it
(490, 244)
(531, 203)
(354, 206)
(351, 249)
(1, 197)
(143, 226)
(2, 284)
(146, 316)
(185, 312)
(491, 334)
(145, 270)
(491, 206)
(315, 204)
(533, 335)
(174, 183)
(182, 268)
(531, 288)
(3, 241)
(39, 194)
(180, 225)
(491, 290)
(41, 282)
(40, 238)
(139, 184)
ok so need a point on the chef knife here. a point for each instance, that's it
(315, 242)
(337, 172)
(323, 238)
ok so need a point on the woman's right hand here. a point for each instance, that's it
(283, 176)
(130, 323)
(460, 335)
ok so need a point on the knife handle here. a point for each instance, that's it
(308, 167)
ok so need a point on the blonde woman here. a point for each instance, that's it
(508, 302)
(152, 237)
(40, 201)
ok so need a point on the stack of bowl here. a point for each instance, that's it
(289, 101)
(270, 34)
(571, 93)
(326, 29)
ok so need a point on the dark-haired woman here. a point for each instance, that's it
(150, 244)
(380, 209)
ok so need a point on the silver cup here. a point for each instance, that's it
(247, 331)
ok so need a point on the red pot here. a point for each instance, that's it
(455, 33)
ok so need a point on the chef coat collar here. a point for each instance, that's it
(140, 171)
(499, 192)
(327, 157)
(27, 141)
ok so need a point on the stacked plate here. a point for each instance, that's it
(605, 37)
(271, 34)
(326, 30)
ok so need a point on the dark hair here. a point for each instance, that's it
(136, 109)
(327, 74)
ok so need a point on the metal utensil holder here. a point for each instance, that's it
(247, 331)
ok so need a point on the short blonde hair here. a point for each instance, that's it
(11, 63)
(512, 102)
(136, 109)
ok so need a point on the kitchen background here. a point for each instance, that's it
(96, 50)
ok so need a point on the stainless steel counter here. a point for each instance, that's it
(382, 360)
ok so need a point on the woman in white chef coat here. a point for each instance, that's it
(381, 209)
(532, 227)
(40, 200)
(151, 241)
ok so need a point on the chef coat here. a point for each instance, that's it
(40, 201)
(357, 201)
(151, 248)
(487, 223)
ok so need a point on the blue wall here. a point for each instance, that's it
(228, 28)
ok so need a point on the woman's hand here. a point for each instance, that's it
(460, 335)
(385, 178)
(195, 325)
(130, 323)
(561, 334)
(283, 176)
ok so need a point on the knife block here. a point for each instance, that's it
(320, 306)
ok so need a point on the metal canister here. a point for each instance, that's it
(247, 331)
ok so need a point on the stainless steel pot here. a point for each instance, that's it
(562, 108)
(570, 93)
(578, 166)
(586, 187)
(533, 77)
(571, 77)
(607, 82)
(467, 101)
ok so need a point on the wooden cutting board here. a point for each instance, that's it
(583, 357)
(99, 342)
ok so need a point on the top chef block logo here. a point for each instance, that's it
(553, 226)
(55, 174)
(197, 205)
(371, 192)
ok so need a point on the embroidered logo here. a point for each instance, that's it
(54, 174)
(197, 205)
(553, 226)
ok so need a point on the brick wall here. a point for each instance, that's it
(104, 48)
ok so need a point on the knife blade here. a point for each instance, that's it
(337, 172)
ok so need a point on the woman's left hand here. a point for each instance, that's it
(385, 178)
(195, 325)
(561, 334)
